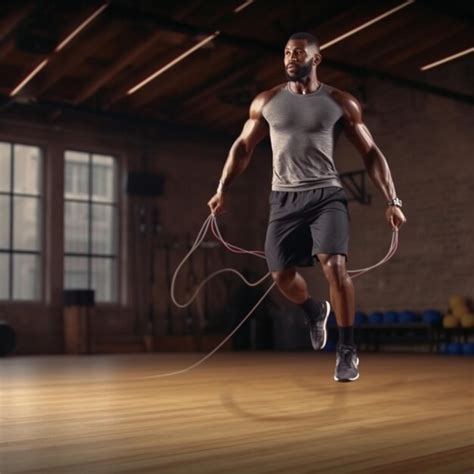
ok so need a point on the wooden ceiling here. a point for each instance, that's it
(212, 87)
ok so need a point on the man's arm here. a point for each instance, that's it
(254, 130)
(375, 162)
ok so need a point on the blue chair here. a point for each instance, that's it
(455, 348)
(330, 346)
(360, 318)
(443, 348)
(468, 349)
(407, 317)
(390, 317)
(432, 316)
(376, 318)
(332, 323)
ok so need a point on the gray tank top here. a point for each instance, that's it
(304, 129)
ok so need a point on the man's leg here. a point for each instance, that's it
(294, 287)
(291, 284)
(342, 298)
(341, 289)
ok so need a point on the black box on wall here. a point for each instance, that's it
(140, 183)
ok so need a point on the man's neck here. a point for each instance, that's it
(306, 86)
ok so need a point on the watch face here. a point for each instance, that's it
(395, 202)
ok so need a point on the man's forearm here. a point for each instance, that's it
(237, 161)
(379, 172)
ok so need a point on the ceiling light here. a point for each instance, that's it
(366, 24)
(80, 28)
(244, 5)
(29, 77)
(172, 63)
(449, 58)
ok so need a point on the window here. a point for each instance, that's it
(21, 221)
(91, 224)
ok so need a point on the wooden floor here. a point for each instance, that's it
(237, 413)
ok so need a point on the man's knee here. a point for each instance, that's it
(283, 277)
(334, 267)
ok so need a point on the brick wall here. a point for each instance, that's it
(426, 141)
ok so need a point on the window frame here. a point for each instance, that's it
(41, 197)
(118, 159)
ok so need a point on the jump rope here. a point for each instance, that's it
(211, 223)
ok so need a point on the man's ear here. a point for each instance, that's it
(317, 59)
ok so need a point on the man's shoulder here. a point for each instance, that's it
(339, 94)
(265, 96)
(347, 101)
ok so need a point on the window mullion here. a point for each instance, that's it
(89, 269)
(12, 162)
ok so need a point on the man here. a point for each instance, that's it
(308, 209)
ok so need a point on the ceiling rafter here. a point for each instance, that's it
(128, 57)
(133, 38)
(66, 60)
(150, 93)
(115, 68)
(13, 19)
(273, 49)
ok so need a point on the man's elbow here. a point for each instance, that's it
(243, 149)
(369, 155)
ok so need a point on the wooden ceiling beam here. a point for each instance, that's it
(198, 98)
(6, 47)
(9, 24)
(67, 59)
(254, 47)
(120, 92)
(164, 24)
(357, 71)
(122, 62)
(421, 52)
(458, 9)
(115, 68)
(13, 19)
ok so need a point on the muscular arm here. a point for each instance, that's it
(359, 135)
(255, 129)
(374, 161)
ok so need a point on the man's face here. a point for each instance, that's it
(298, 59)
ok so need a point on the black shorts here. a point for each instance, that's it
(305, 223)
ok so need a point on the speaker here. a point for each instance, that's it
(78, 297)
(145, 184)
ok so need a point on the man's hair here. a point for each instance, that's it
(310, 39)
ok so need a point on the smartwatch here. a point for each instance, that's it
(395, 202)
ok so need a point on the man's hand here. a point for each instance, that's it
(216, 203)
(395, 217)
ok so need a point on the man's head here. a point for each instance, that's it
(301, 56)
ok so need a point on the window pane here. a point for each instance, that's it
(75, 273)
(5, 222)
(76, 175)
(27, 176)
(103, 178)
(104, 274)
(76, 227)
(5, 166)
(26, 232)
(26, 277)
(4, 276)
(104, 231)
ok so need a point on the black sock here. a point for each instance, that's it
(346, 335)
(310, 307)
